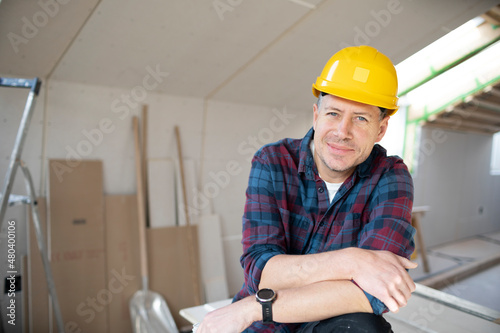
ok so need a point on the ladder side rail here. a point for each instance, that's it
(41, 246)
(19, 143)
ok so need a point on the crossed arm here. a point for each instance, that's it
(318, 286)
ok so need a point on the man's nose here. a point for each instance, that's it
(344, 128)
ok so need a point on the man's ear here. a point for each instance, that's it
(315, 115)
(384, 123)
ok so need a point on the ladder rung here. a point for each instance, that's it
(15, 199)
(33, 84)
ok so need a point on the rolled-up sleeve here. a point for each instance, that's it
(263, 235)
(389, 227)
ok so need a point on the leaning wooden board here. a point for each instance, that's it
(122, 258)
(76, 204)
(170, 268)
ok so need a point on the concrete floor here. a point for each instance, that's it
(482, 289)
(422, 315)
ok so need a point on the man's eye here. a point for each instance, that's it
(362, 118)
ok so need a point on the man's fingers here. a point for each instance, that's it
(397, 300)
(407, 263)
(392, 305)
(405, 291)
(407, 281)
(405, 276)
(401, 291)
(407, 285)
(401, 301)
(411, 285)
(412, 264)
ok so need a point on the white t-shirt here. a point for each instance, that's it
(331, 187)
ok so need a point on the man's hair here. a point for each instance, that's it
(383, 111)
(320, 99)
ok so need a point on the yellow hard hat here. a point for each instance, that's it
(362, 74)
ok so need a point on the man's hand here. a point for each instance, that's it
(233, 318)
(383, 275)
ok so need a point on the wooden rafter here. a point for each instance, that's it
(479, 113)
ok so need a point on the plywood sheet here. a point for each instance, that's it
(123, 272)
(170, 268)
(76, 206)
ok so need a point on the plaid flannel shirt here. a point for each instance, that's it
(288, 211)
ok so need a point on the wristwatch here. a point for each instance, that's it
(266, 298)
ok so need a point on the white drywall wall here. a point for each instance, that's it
(234, 133)
(95, 122)
(453, 178)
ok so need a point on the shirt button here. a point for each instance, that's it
(321, 190)
(321, 224)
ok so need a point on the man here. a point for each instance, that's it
(326, 228)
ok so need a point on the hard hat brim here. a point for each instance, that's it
(367, 97)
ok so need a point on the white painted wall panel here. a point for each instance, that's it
(161, 191)
(95, 122)
(453, 179)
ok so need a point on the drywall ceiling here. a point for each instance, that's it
(245, 51)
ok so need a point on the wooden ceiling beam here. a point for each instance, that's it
(467, 113)
(459, 129)
(494, 91)
(493, 15)
(487, 105)
(459, 122)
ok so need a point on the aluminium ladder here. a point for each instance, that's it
(7, 199)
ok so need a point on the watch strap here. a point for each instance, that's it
(267, 312)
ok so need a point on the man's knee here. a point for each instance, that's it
(353, 322)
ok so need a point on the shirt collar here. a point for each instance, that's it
(366, 168)
(306, 160)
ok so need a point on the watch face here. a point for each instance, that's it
(265, 294)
